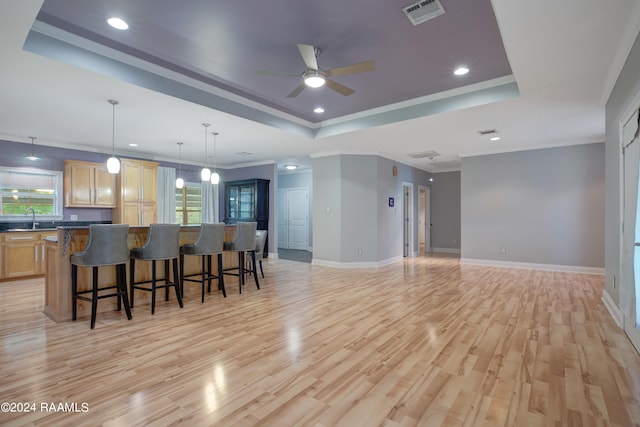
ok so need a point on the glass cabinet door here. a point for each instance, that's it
(246, 203)
(232, 202)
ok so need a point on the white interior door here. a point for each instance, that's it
(298, 218)
(283, 215)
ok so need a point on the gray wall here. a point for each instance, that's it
(445, 210)
(626, 88)
(327, 207)
(357, 188)
(544, 206)
(359, 211)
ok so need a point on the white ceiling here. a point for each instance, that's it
(564, 56)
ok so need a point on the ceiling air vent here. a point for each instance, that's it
(423, 11)
(423, 155)
(487, 132)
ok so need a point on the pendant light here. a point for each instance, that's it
(113, 164)
(205, 173)
(32, 157)
(215, 177)
(179, 180)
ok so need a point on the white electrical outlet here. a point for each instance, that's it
(74, 217)
(503, 250)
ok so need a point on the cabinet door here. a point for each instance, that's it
(130, 182)
(149, 183)
(148, 213)
(79, 192)
(105, 188)
(131, 213)
(42, 257)
(21, 258)
(247, 202)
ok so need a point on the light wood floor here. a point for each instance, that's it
(422, 342)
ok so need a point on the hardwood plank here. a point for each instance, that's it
(423, 342)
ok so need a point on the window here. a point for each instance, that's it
(23, 188)
(189, 204)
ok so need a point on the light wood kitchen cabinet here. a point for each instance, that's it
(23, 254)
(137, 190)
(88, 185)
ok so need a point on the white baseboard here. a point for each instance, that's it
(613, 309)
(273, 255)
(533, 266)
(370, 264)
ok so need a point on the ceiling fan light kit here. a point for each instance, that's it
(314, 76)
(314, 79)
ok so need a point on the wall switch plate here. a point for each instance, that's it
(503, 250)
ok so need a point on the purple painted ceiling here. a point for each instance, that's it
(222, 43)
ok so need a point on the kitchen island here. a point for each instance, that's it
(57, 269)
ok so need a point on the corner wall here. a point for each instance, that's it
(544, 207)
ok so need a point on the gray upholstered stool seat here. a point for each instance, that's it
(209, 242)
(163, 244)
(261, 239)
(244, 241)
(107, 245)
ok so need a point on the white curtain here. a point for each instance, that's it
(166, 195)
(209, 202)
(630, 274)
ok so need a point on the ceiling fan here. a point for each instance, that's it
(314, 76)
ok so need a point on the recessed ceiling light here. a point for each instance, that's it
(291, 167)
(318, 110)
(117, 23)
(133, 145)
(461, 71)
(494, 138)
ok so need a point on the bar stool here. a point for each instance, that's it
(209, 243)
(243, 241)
(261, 239)
(107, 245)
(163, 244)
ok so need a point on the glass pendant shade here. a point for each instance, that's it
(113, 165)
(215, 178)
(179, 180)
(205, 174)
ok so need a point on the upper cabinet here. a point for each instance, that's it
(137, 190)
(247, 200)
(88, 185)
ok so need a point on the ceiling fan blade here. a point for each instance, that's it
(341, 89)
(297, 91)
(361, 67)
(276, 73)
(308, 54)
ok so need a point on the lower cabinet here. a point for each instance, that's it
(23, 254)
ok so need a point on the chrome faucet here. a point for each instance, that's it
(33, 217)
